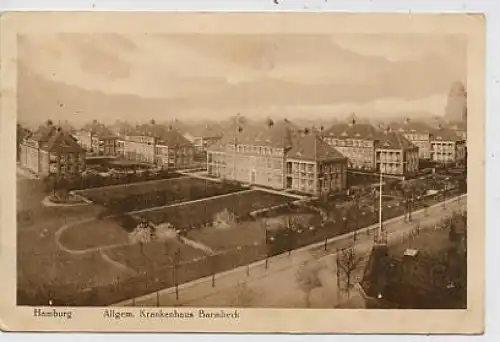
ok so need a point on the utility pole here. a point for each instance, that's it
(177, 256)
(213, 269)
(380, 227)
(267, 246)
(338, 275)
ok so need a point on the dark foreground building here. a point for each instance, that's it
(427, 272)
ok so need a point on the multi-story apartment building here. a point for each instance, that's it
(97, 139)
(157, 144)
(356, 141)
(447, 147)
(417, 133)
(396, 155)
(51, 151)
(202, 137)
(368, 149)
(280, 156)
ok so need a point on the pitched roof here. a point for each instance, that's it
(43, 133)
(100, 130)
(352, 130)
(409, 126)
(393, 140)
(204, 130)
(121, 127)
(62, 142)
(165, 136)
(445, 134)
(312, 147)
(279, 134)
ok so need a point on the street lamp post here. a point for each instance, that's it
(445, 191)
(213, 270)
(176, 281)
(267, 245)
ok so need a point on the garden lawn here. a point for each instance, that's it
(136, 196)
(154, 256)
(191, 215)
(97, 233)
(238, 234)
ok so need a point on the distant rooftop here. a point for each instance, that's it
(54, 139)
(352, 130)
(393, 140)
(165, 135)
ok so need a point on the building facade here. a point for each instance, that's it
(159, 145)
(51, 151)
(97, 139)
(278, 156)
(418, 133)
(201, 140)
(447, 147)
(356, 142)
(396, 155)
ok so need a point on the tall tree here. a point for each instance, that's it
(308, 278)
(348, 261)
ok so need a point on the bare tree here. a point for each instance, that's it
(142, 234)
(348, 261)
(308, 278)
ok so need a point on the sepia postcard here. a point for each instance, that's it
(289, 172)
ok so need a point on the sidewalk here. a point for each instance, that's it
(202, 288)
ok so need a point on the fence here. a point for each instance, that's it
(151, 279)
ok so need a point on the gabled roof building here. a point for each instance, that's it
(97, 139)
(447, 147)
(395, 155)
(278, 155)
(202, 136)
(356, 141)
(373, 150)
(52, 151)
(158, 144)
(419, 133)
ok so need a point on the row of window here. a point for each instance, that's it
(264, 150)
(349, 142)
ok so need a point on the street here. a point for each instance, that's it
(276, 286)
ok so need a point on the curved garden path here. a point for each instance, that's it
(101, 249)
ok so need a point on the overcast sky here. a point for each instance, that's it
(110, 76)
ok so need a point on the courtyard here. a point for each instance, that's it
(85, 255)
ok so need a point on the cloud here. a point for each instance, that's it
(185, 74)
(402, 47)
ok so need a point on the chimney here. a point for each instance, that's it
(270, 123)
(152, 121)
(407, 121)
